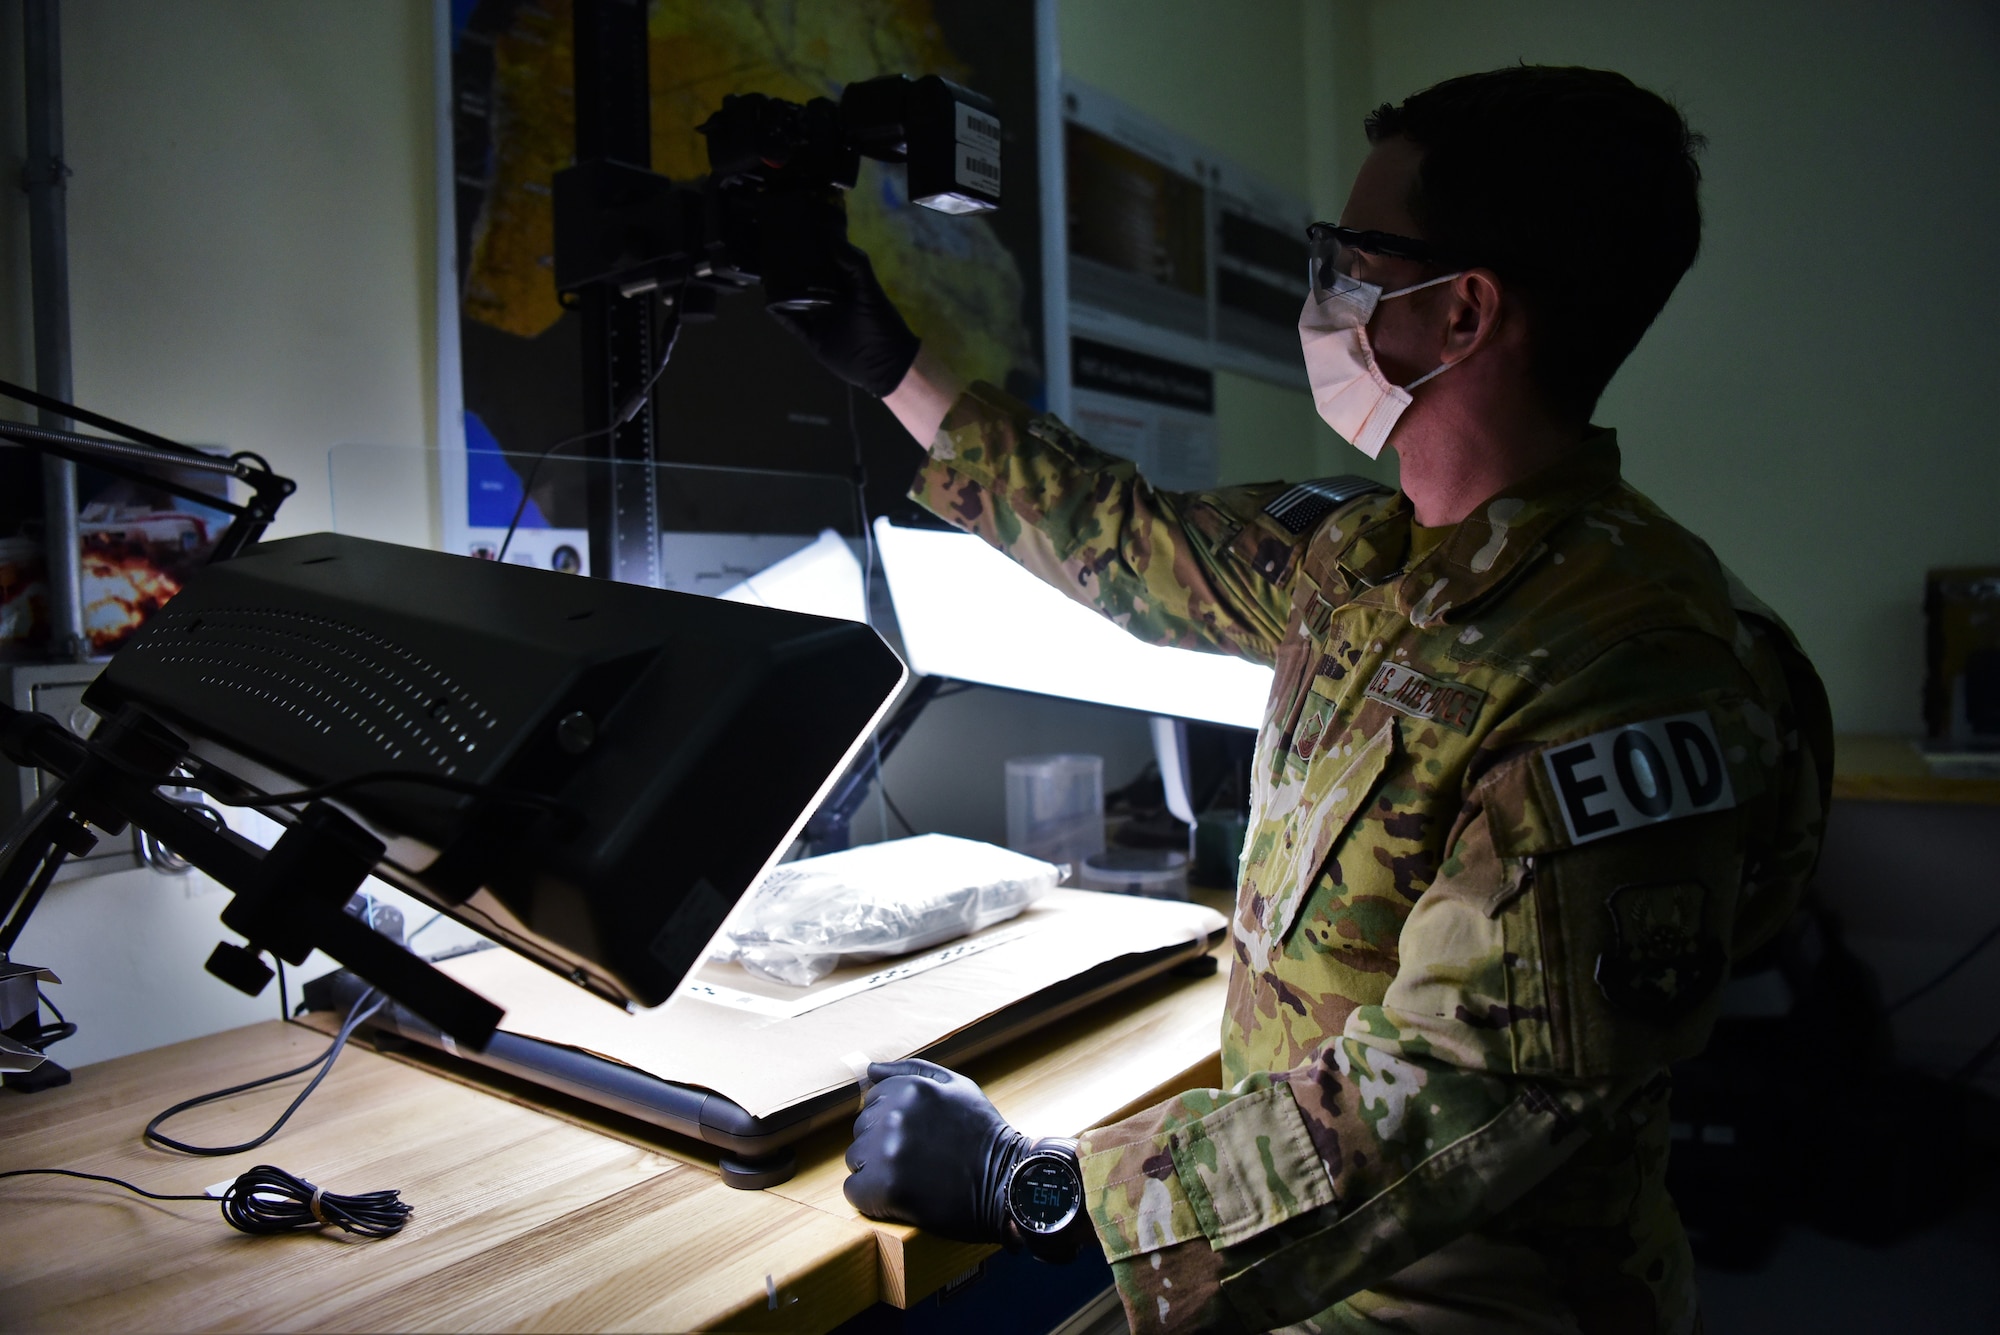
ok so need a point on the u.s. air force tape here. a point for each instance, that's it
(1639, 774)
(1451, 703)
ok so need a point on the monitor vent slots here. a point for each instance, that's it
(329, 676)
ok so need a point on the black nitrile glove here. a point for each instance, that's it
(930, 1149)
(861, 336)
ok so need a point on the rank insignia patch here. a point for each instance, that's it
(1663, 961)
(1315, 721)
(1410, 691)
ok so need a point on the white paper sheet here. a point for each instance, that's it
(767, 1062)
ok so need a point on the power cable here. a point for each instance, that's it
(894, 810)
(1991, 1047)
(429, 923)
(228, 795)
(45, 1034)
(631, 409)
(364, 1006)
(448, 782)
(1937, 979)
(268, 1200)
(1978, 1060)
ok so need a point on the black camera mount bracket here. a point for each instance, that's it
(289, 900)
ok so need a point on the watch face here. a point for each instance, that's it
(1045, 1194)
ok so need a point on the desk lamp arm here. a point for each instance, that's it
(831, 827)
(268, 489)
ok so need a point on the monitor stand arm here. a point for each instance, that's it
(287, 900)
(832, 826)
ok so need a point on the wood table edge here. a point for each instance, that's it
(910, 1265)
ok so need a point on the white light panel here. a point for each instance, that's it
(823, 579)
(969, 613)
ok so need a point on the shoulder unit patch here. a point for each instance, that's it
(1664, 959)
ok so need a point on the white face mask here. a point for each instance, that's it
(1349, 389)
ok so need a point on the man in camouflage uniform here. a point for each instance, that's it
(1534, 770)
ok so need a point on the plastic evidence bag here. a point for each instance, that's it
(809, 917)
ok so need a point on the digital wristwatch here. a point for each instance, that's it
(1045, 1200)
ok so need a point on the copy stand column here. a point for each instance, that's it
(613, 122)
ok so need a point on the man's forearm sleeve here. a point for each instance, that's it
(1287, 1194)
(1196, 570)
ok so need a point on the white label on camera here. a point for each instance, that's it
(978, 169)
(979, 129)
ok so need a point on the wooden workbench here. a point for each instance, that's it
(532, 1213)
(1873, 768)
(522, 1221)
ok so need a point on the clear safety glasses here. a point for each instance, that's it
(1332, 249)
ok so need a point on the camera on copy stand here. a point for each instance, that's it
(769, 210)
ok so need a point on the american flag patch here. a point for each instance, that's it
(1301, 507)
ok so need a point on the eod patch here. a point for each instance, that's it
(1639, 774)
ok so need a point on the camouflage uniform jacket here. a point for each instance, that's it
(1517, 804)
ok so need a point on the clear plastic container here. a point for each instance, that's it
(1055, 808)
(1156, 873)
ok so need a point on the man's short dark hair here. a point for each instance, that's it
(1577, 187)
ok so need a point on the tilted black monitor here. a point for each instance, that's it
(684, 740)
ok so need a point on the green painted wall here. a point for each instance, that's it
(250, 230)
(1232, 76)
(1814, 401)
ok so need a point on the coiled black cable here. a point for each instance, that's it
(269, 1200)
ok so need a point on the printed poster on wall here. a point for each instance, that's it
(1158, 413)
(1179, 263)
